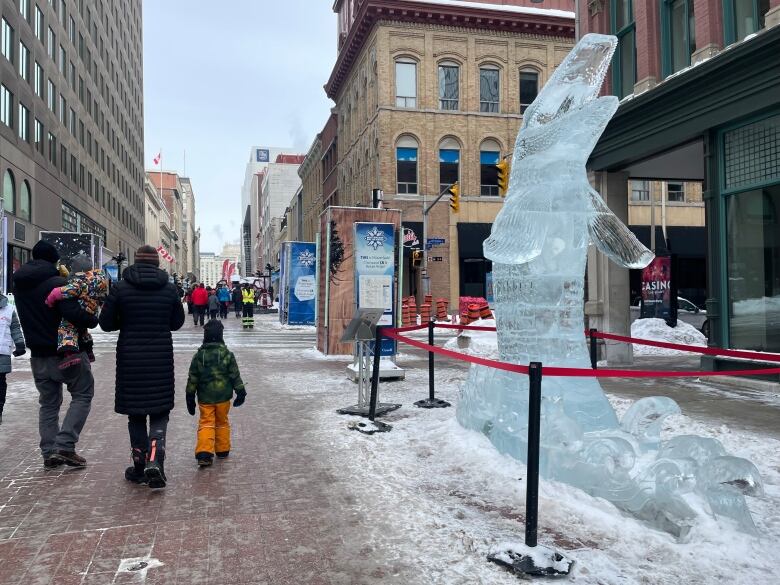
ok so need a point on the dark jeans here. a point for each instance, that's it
(212, 314)
(223, 309)
(140, 436)
(199, 313)
(237, 306)
(3, 388)
(49, 380)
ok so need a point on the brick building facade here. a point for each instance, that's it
(428, 94)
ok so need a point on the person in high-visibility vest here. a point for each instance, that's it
(248, 299)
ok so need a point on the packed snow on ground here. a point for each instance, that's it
(479, 343)
(658, 330)
(435, 496)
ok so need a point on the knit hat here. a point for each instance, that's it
(45, 251)
(81, 263)
(212, 332)
(147, 255)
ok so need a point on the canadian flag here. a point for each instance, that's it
(158, 158)
(165, 254)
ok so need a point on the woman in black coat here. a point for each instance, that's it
(144, 307)
(238, 300)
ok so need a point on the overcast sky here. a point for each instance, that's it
(218, 81)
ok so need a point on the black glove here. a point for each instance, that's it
(240, 397)
(191, 403)
(20, 350)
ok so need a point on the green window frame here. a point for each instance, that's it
(624, 61)
(677, 46)
(735, 11)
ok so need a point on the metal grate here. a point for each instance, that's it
(752, 153)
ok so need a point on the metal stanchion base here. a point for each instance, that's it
(381, 409)
(538, 561)
(370, 427)
(432, 403)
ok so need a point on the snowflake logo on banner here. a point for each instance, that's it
(375, 238)
(306, 259)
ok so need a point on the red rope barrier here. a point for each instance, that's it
(561, 371)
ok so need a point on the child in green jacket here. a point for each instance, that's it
(214, 377)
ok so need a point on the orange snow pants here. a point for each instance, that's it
(213, 428)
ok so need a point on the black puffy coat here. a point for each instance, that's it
(144, 308)
(32, 284)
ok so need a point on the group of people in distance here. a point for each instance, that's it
(56, 308)
(202, 300)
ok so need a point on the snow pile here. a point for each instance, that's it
(479, 343)
(658, 330)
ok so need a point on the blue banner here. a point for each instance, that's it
(375, 271)
(301, 265)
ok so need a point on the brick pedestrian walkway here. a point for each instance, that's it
(270, 514)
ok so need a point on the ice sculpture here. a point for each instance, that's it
(538, 246)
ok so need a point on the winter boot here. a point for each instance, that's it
(135, 473)
(154, 470)
(204, 458)
(222, 454)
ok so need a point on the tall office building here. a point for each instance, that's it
(71, 121)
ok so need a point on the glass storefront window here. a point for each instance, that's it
(753, 270)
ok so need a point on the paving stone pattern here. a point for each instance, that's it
(269, 514)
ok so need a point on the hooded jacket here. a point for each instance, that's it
(237, 294)
(14, 334)
(144, 307)
(223, 294)
(200, 298)
(213, 303)
(32, 284)
(214, 374)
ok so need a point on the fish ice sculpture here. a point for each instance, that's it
(538, 245)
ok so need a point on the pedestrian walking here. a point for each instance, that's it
(248, 300)
(238, 302)
(200, 301)
(89, 287)
(223, 295)
(144, 307)
(11, 343)
(213, 303)
(32, 284)
(188, 300)
(213, 379)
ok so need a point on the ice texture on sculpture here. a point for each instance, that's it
(538, 246)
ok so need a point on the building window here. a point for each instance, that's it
(63, 62)
(6, 106)
(38, 24)
(63, 110)
(72, 75)
(743, 17)
(406, 165)
(529, 88)
(640, 190)
(72, 122)
(25, 202)
(38, 80)
(488, 89)
(9, 192)
(24, 9)
(6, 40)
(52, 149)
(449, 163)
(51, 97)
(24, 61)
(489, 155)
(72, 30)
(406, 84)
(73, 169)
(679, 36)
(24, 123)
(675, 192)
(51, 45)
(624, 61)
(38, 134)
(449, 86)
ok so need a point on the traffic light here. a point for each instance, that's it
(454, 192)
(503, 176)
(416, 257)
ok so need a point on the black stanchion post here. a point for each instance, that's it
(431, 401)
(541, 561)
(375, 374)
(532, 485)
(594, 350)
(431, 396)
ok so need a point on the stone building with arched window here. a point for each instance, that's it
(432, 93)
